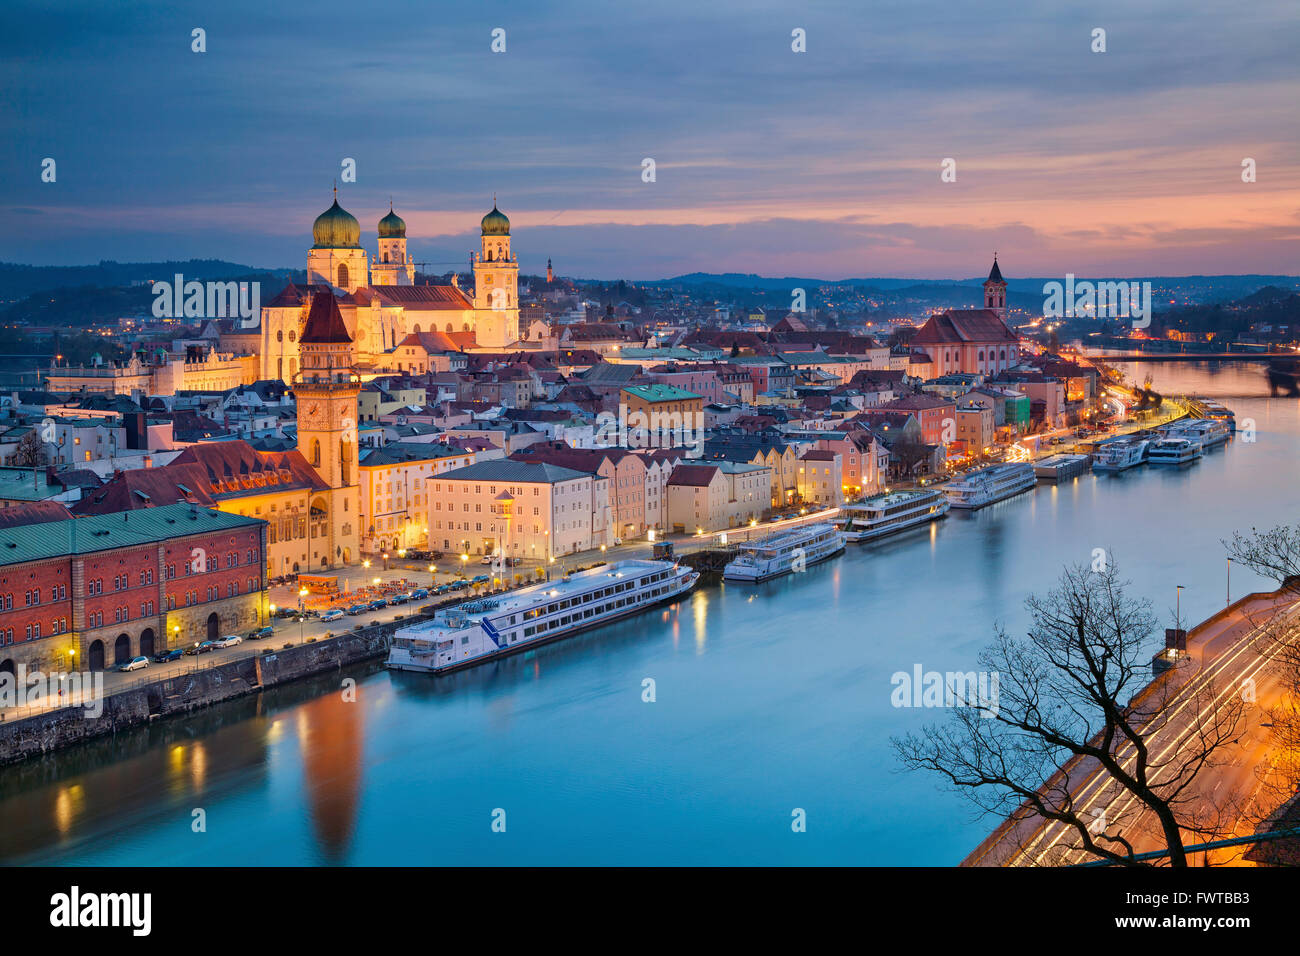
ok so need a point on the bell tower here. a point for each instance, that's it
(326, 390)
(496, 284)
(995, 291)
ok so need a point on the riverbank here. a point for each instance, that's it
(146, 702)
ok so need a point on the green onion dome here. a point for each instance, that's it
(336, 228)
(392, 226)
(495, 223)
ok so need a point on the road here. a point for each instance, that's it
(1222, 656)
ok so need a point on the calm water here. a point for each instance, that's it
(769, 698)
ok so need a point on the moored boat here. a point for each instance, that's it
(992, 484)
(480, 630)
(780, 553)
(882, 515)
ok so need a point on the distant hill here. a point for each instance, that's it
(18, 281)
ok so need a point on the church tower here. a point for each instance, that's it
(326, 390)
(995, 291)
(496, 284)
(336, 257)
(392, 265)
(550, 273)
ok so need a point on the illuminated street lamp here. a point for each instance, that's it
(302, 593)
(433, 570)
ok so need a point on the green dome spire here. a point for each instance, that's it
(495, 223)
(392, 226)
(336, 228)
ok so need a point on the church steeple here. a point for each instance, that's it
(995, 290)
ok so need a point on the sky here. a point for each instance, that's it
(822, 164)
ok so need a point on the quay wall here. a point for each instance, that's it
(182, 694)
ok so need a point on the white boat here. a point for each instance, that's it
(987, 485)
(1209, 408)
(1173, 451)
(779, 553)
(883, 515)
(1208, 431)
(477, 631)
(1120, 454)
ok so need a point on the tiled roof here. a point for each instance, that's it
(696, 476)
(509, 469)
(325, 323)
(959, 326)
(415, 298)
(87, 535)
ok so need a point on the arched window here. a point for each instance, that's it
(279, 335)
(385, 257)
(466, 328)
(448, 326)
(343, 277)
(1003, 355)
(416, 330)
(489, 255)
(981, 355)
(315, 453)
(292, 335)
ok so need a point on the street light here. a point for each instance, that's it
(433, 580)
(1178, 602)
(1228, 595)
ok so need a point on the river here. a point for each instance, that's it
(768, 700)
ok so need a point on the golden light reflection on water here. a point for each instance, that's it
(69, 804)
(700, 607)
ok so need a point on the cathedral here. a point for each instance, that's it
(380, 303)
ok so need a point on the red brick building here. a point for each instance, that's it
(88, 593)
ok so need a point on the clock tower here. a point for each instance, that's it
(326, 389)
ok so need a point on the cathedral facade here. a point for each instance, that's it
(380, 303)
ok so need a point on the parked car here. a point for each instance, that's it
(419, 594)
(356, 609)
(230, 640)
(458, 585)
(333, 614)
(167, 656)
(488, 559)
(202, 648)
(480, 578)
(442, 589)
(378, 603)
(261, 633)
(399, 599)
(134, 664)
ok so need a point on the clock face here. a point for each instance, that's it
(312, 409)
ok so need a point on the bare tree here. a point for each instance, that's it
(1079, 740)
(30, 451)
(1274, 553)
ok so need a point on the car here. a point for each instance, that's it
(399, 599)
(333, 614)
(378, 604)
(134, 664)
(480, 578)
(442, 589)
(164, 657)
(358, 609)
(488, 559)
(458, 585)
(230, 640)
(774, 518)
(202, 648)
(261, 633)
(419, 594)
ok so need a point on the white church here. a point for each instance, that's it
(379, 300)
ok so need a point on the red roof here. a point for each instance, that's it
(417, 298)
(698, 476)
(325, 325)
(961, 326)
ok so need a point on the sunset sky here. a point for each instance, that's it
(822, 164)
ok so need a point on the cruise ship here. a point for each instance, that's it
(777, 554)
(1173, 451)
(1209, 408)
(1120, 454)
(477, 631)
(887, 514)
(1208, 431)
(987, 485)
